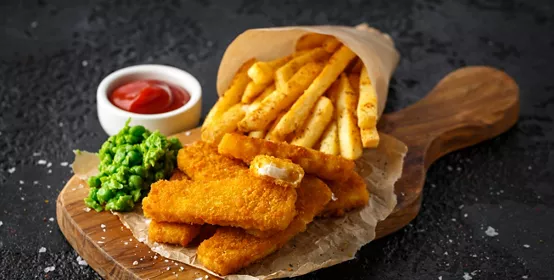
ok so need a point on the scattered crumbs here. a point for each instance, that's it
(41, 162)
(34, 24)
(42, 250)
(87, 209)
(181, 268)
(50, 187)
(51, 219)
(333, 197)
(80, 261)
(36, 154)
(64, 163)
(49, 171)
(21, 182)
(11, 170)
(103, 226)
(461, 206)
(104, 230)
(84, 63)
(467, 276)
(168, 268)
(465, 215)
(100, 242)
(491, 231)
(449, 168)
(187, 133)
(103, 237)
(526, 246)
(135, 262)
(49, 268)
(529, 167)
(155, 257)
(125, 243)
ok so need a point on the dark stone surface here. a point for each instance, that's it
(54, 53)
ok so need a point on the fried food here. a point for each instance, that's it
(269, 108)
(227, 123)
(314, 162)
(245, 201)
(330, 140)
(231, 249)
(263, 72)
(252, 91)
(200, 161)
(347, 195)
(282, 171)
(320, 116)
(172, 233)
(178, 175)
(349, 133)
(367, 104)
(231, 97)
(299, 111)
(285, 72)
(370, 137)
(310, 41)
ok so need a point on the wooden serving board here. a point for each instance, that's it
(468, 106)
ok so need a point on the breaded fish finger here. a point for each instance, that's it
(200, 161)
(172, 233)
(245, 201)
(347, 195)
(282, 171)
(328, 167)
(231, 249)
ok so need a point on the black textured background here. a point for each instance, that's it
(53, 54)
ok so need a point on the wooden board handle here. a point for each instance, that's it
(467, 106)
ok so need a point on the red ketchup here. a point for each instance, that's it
(149, 97)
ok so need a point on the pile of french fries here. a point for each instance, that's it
(319, 97)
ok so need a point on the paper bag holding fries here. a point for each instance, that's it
(320, 87)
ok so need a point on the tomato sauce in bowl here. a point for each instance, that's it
(149, 97)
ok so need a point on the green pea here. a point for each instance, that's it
(134, 157)
(136, 194)
(94, 182)
(137, 130)
(137, 170)
(119, 156)
(135, 181)
(104, 194)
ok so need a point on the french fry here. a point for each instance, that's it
(367, 103)
(356, 67)
(262, 72)
(284, 73)
(349, 134)
(310, 41)
(294, 118)
(313, 128)
(331, 44)
(330, 140)
(370, 137)
(226, 124)
(252, 91)
(354, 80)
(267, 91)
(273, 104)
(232, 96)
(270, 136)
(257, 134)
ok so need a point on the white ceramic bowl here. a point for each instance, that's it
(186, 117)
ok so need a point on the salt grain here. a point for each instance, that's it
(491, 231)
(449, 168)
(49, 187)
(80, 261)
(125, 243)
(51, 219)
(22, 198)
(168, 268)
(466, 276)
(188, 133)
(524, 277)
(103, 237)
(41, 162)
(155, 257)
(1, 223)
(446, 253)
(36, 154)
(465, 215)
(48, 164)
(87, 209)
(64, 163)
(333, 197)
(100, 242)
(21, 182)
(11, 170)
(526, 245)
(135, 262)
(103, 226)
(84, 63)
(50, 268)
(34, 24)
(42, 250)
(49, 171)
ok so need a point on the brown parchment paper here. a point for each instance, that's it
(326, 241)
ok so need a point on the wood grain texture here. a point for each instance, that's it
(468, 106)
